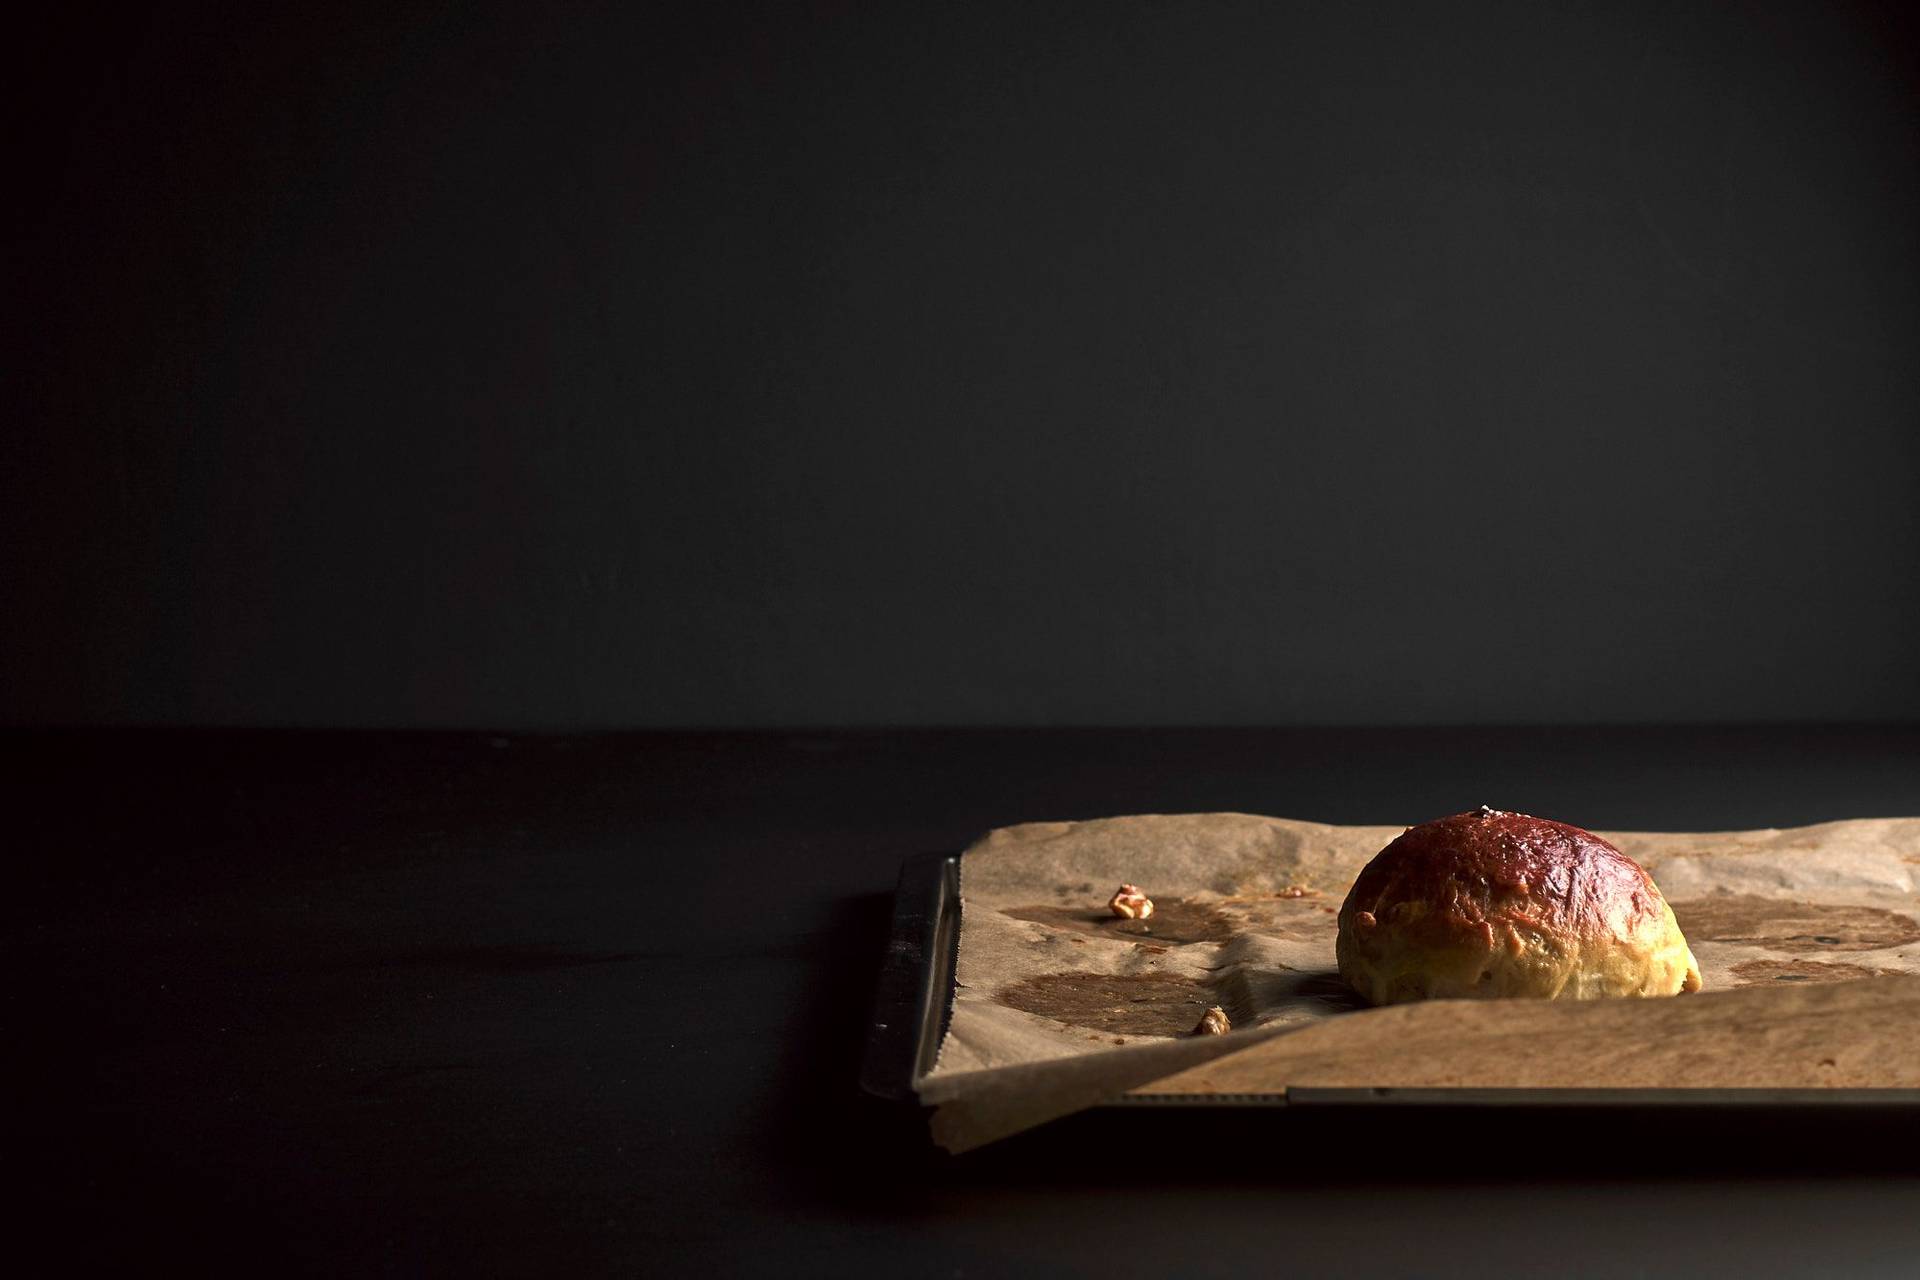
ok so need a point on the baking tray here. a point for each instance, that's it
(914, 1000)
(915, 995)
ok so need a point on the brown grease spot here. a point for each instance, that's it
(1173, 920)
(1141, 1004)
(1793, 926)
(1754, 973)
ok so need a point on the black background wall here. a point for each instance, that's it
(548, 365)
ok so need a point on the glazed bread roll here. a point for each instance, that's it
(1490, 904)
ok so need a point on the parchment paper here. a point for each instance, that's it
(1061, 1005)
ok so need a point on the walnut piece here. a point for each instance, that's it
(1130, 904)
(1213, 1023)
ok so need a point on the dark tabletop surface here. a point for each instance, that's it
(471, 1004)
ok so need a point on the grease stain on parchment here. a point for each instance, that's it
(1793, 927)
(1174, 920)
(1756, 973)
(1141, 1004)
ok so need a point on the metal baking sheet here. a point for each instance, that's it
(915, 995)
(915, 998)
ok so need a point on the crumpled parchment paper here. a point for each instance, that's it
(1060, 1005)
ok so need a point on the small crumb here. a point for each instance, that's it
(1130, 904)
(1294, 891)
(1213, 1023)
(1119, 1039)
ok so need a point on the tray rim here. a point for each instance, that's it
(913, 1000)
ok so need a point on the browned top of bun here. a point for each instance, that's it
(1485, 869)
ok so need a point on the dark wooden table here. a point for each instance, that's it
(332, 1002)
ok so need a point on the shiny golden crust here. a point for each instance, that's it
(1490, 904)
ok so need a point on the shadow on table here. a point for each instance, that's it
(850, 1148)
